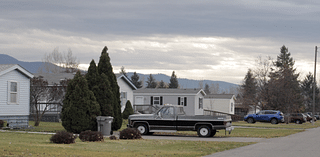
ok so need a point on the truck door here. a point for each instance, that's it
(166, 119)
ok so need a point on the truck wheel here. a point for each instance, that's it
(250, 120)
(204, 131)
(142, 128)
(213, 132)
(274, 121)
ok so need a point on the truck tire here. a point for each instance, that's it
(204, 131)
(213, 132)
(142, 128)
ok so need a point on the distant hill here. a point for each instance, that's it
(34, 67)
(186, 83)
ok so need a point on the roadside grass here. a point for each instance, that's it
(306, 125)
(26, 144)
(241, 132)
(45, 127)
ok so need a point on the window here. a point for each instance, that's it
(13, 92)
(200, 103)
(182, 101)
(156, 100)
(231, 107)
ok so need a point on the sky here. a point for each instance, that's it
(202, 40)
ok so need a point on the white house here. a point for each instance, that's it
(224, 103)
(126, 88)
(190, 99)
(15, 95)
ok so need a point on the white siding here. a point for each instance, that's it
(124, 87)
(22, 108)
(220, 105)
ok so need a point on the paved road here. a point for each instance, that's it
(304, 144)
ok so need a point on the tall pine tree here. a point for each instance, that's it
(173, 81)
(151, 82)
(249, 91)
(135, 80)
(284, 92)
(80, 108)
(104, 66)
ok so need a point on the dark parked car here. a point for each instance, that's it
(297, 118)
(309, 117)
(272, 116)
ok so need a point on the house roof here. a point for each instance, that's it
(220, 96)
(55, 77)
(126, 79)
(5, 68)
(170, 91)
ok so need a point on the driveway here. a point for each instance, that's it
(297, 145)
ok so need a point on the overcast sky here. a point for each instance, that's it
(213, 40)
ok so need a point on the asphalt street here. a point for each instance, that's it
(304, 144)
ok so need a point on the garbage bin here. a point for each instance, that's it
(104, 125)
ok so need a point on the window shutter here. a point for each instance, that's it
(151, 100)
(178, 100)
(161, 100)
(185, 101)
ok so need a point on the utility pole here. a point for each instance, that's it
(314, 86)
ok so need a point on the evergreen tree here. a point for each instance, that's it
(283, 89)
(173, 81)
(104, 66)
(104, 96)
(80, 108)
(92, 75)
(127, 111)
(135, 80)
(207, 88)
(151, 82)
(307, 92)
(249, 90)
(162, 84)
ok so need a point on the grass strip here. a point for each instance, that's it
(306, 125)
(24, 144)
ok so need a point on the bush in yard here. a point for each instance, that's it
(113, 137)
(127, 111)
(63, 137)
(91, 136)
(1, 123)
(80, 108)
(130, 133)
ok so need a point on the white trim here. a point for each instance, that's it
(10, 92)
(19, 68)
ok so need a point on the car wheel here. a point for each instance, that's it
(213, 132)
(298, 122)
(274, 121)
(142, 128)
(204, 131)
(250, 120)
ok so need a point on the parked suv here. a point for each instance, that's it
(309, 117)
(272, 116)
(297, 118)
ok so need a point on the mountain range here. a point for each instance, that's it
(34, 67)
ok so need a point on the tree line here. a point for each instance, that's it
(275, 85)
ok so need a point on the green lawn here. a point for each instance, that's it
(25, 144)
(306, 125)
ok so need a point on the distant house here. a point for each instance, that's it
(224, 103)
(190, 99)
(15, 95)
(126, 88)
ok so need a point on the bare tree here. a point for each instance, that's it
(57, 62)
(44, 97)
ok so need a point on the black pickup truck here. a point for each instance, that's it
(171, 118)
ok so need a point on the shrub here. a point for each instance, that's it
(113, 137)
(63, 137)
(130, 133)
(91, 136)
(127, 111)
(1, 123)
